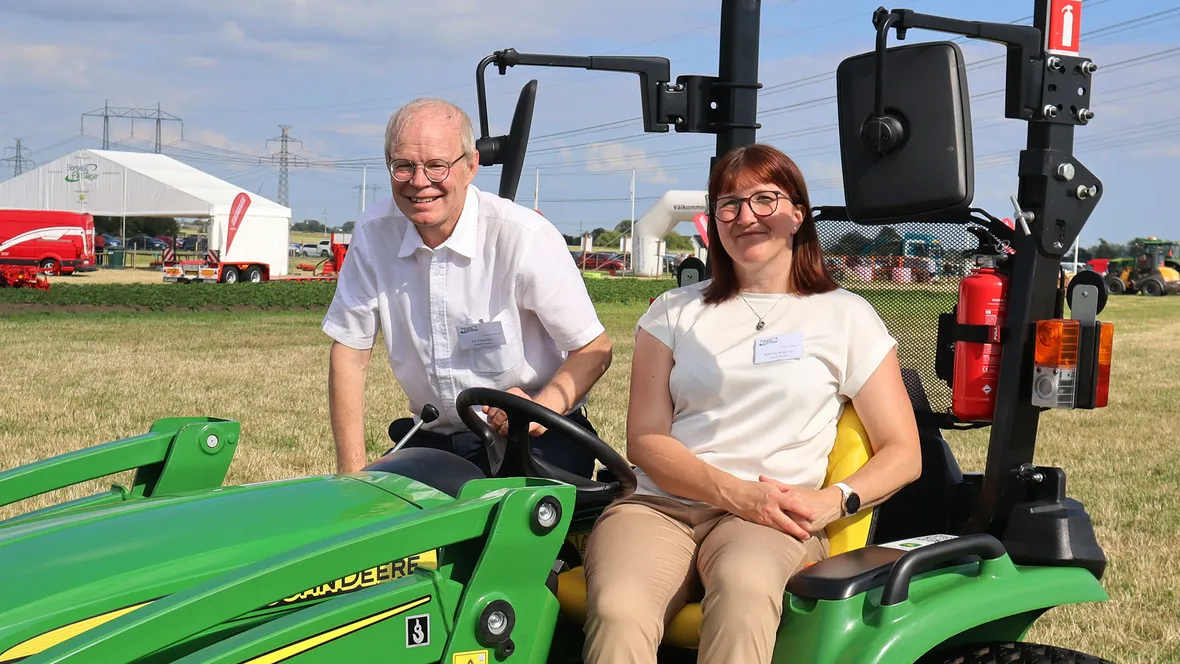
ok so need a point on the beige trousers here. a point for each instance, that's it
(647, 556)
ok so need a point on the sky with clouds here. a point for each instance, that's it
(333, 70)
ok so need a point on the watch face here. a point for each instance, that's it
(852, 505)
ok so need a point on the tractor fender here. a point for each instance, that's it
(973, 602)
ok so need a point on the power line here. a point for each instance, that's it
(285, 159)
(107, 112)
(18, 159)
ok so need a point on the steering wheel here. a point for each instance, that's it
(513, 456)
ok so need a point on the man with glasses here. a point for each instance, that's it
(468, 289)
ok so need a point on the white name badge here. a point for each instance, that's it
(778, 348)
(481, 335)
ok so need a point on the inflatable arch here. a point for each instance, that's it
(673, 208)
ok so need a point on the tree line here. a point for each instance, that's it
(604, 237)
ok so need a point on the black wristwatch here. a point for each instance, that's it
(851, 500)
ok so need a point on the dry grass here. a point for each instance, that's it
(140, 275)
(148, 275)
(77, 380)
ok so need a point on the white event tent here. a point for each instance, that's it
(137, 184)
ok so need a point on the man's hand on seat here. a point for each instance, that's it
(498, 419)
(826, 505)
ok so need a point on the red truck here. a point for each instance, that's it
(50, 241)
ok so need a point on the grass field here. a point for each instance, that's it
(76, 380)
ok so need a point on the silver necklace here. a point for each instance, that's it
(761, 324)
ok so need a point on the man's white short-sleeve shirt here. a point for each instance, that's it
(504, 264)
(764, 402)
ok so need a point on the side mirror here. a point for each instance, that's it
(905, 133)
(510, 149)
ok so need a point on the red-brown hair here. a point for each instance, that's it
(763, 163)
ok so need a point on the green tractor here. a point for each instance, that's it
(420, 558)
(1168, 250)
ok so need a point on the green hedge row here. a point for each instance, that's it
(274, 295)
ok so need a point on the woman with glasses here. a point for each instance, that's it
(737, 384)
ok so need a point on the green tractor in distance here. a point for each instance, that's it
(1169, 250)
(420, 559)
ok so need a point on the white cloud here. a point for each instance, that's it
(52, 66)
(233, 35)
(612, 156)
(445, 25)
(216, 139)
(199, 61)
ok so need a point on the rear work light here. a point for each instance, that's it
(1071, 366)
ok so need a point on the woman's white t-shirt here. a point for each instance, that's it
(766, 402)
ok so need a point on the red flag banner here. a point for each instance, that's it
(236, 212)
(701, 221)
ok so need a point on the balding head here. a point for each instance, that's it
(429, 110)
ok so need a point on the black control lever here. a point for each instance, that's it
(428, 415)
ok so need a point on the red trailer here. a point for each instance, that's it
(50, 241)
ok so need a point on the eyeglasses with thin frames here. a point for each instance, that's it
(762, 204)
(436, 170)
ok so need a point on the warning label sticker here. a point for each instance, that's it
(917, 542)
(473, 657)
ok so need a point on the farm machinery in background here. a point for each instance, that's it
(248, 264)
(22, 277)
(1155, 271)
(330, 266)
(35, 243)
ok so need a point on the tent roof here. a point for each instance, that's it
(111, 182)
(194, 182)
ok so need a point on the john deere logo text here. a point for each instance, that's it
(83, 172)
(364, 579)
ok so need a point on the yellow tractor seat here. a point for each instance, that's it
(850, 452)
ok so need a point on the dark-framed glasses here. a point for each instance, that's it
(436, 170)
(762, 204)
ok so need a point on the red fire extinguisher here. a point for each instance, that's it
(983, 300)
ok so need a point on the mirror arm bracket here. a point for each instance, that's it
(688, 104)
(1025, 69)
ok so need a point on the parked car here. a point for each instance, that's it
(194, 243)
(145, 242)
(598, 260)
(322, 249)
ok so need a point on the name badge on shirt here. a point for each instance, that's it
(778, 348)
(481, 335)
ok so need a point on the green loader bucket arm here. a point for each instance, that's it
(493, 515)
(178, 454)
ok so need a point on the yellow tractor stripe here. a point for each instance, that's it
(344, 630)
(61, 634)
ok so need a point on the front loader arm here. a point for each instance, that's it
(228, 596)
(178, 454)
